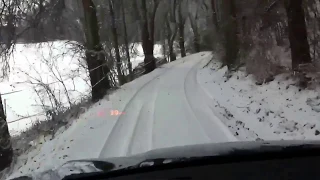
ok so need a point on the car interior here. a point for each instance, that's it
(286, 164)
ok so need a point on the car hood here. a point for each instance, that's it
(169, 155)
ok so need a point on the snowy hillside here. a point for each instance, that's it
(180, 103)
(278, 110)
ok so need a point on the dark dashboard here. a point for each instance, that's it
(273, 160)
(273, 163)
(299, 169)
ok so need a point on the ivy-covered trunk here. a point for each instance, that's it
(95, 58)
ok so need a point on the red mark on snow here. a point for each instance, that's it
(101, 114)
(112, 113)
(116, 113)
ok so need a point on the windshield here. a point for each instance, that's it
(84, 79)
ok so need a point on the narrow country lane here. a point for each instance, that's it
(167, 107)
(170, 110)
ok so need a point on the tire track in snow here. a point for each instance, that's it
(142, 137)
(134, 131)
(188, 100)
(113, 136)
(174, 123)
(151, 140)
(216, 130)
(168, 68)
(112, 146)
(117, 141)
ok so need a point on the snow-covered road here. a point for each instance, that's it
(165, 108)
(169, 110)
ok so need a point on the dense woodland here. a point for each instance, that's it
(267, 37)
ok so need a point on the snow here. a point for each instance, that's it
(158, 110)
(178, 104)
(164, 112)
(278, 110)
(30, 61)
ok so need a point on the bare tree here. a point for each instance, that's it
(196, 37)
(6, 152)
(7, 31)
(126, 42)
(181, 22)
(214, 14)
(172, 29)
(147, 32)
(230, 29)
(116, 42)
(300, 50)
(95, 58)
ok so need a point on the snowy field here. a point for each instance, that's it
(49, 62)
(181, 103)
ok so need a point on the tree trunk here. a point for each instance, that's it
(230, 33)
(181, 31)
(164, 50)
(214, 14)
(6, 152)
(194, 27)
(300, 50)
(147, 41)
(164, 46)
(278, 35)
(172, 33)
(116, 42)
(196, 40)
(95, 58)
(152, 20)
(173, 56)
(126, 42)
(170, 37)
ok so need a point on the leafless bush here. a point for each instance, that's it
(269, 50)
(49, 126)
(263, 38)
(260, 64)
(307, 75)
(58, 99)
(313, 27)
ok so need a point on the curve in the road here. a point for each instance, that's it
(169, 110)
(202, 103)
(188, 80)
